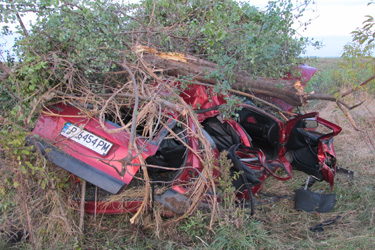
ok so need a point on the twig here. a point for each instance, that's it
(153, 12)
(358, 87)
(129, 157)
(147, 190)
(263, 101)
(348, 115)
(204, 243)
(101, 116)
(24, 30)
(82, 206)
(356, 105)
(327, 97)
(7, 71)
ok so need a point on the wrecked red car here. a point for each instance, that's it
(259, 145)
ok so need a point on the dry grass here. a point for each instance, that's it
(38, 215)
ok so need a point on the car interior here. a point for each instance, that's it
(263, 130)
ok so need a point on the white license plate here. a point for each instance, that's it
(86, 139)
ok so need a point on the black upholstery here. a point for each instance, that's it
(262, 129)
(171, 153)
(303, 145)
(223, 134)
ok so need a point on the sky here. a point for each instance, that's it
(332, 22)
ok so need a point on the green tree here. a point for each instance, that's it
(92, 34)
(236, 35)
(358, 57)
(366, 33)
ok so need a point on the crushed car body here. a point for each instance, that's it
(258, 144)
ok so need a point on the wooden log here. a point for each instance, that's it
(199, 69)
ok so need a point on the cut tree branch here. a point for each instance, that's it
(200, 70)
(177, 64)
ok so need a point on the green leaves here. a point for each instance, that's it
(87, 37)
(261, 42)
(365, 34)
(358, 56)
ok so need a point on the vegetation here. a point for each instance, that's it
(86, 50)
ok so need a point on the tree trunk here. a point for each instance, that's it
(199, 69)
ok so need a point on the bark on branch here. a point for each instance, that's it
(7, 71)
(199, 69)
(176, 64)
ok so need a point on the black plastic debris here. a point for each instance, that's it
(309, 201)
(320, 226)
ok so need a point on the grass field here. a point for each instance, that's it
(276, 224)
